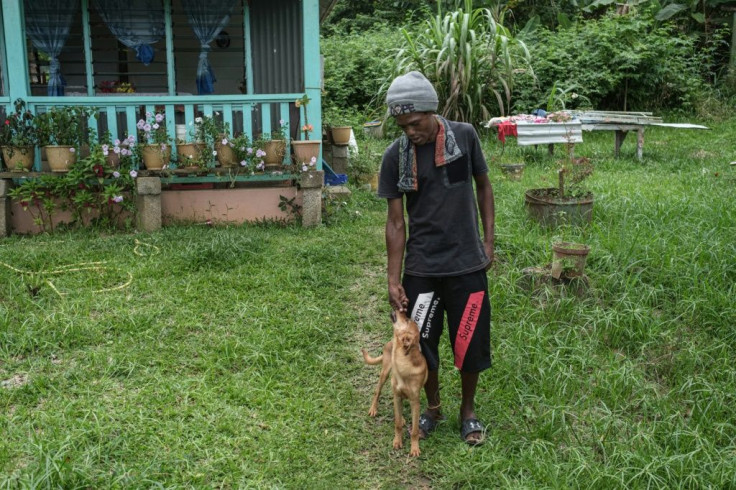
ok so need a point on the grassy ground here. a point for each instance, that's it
(229, 357)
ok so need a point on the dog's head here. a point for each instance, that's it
(406, 331)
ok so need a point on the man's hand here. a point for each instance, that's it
(489, 252)
(397, 298)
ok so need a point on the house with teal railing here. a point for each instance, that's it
(244, 63)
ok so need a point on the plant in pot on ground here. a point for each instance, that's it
(62, 130)
(567, 203)
(18, 138)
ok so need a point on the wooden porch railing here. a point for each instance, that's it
(252, 115)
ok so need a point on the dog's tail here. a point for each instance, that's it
(371, 360)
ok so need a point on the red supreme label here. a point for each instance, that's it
(467, 327)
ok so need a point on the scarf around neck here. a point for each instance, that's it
(445, 151)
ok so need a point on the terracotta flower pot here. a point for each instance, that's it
(60, 158)
(304, 151)
(19, 158)
(225, 154)
(189, 151)
(341, 135)
(155, 156)
(275, 151)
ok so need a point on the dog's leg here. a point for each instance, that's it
(414, 402)
(385, 369)
(398, 422)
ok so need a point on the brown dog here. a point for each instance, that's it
(409, 375)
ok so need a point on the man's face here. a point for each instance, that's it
(420, 127)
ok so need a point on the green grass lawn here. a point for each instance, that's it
(229, 356)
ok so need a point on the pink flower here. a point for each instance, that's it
(133, 174)
(116, 174)
(224, 141)
(72, 149)
(159, 118)
(313, 160)
(155, 126)
(118, 199)
(147, 128)
(304, 168)
(243, 163)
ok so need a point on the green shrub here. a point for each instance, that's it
(355, 64)
(624, 62)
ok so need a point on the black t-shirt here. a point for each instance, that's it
(444, 237)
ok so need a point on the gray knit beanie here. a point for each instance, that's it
(411, 93)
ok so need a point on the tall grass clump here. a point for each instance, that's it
(470, 58)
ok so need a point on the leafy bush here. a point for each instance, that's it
(618, 62)
(355, 64)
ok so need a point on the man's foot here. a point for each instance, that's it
(428, 422)
(473, 432)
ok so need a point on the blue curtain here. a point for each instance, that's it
(47, 24)
(135, 23)
(207, 18)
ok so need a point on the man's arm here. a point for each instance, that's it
(484, 191)
(395, 243)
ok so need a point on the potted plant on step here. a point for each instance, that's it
(61, 132)
(154, 142)
(18, 139)
(305, 149)
(569, 202)
(199, 151)
(275, 147)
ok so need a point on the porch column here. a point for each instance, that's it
(311, 183)
(313, 68)
(15, 50)
(148, 203)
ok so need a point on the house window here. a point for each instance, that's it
(118, 68)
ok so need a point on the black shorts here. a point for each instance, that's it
(465, 300)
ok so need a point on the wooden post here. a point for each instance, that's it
(620, 136)
(640, 143)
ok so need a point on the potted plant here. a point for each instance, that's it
(275, 147)
(568, 259)
(61, 132)
(118, 153)
(199, 151)
(305, 149)
(18, 138)
(569, 202)
(340, 134)
(154, 143)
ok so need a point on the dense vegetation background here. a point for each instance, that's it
(639, 55)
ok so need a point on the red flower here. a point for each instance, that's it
(99, 171)
(7, 122)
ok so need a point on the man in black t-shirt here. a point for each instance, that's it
(444, 259)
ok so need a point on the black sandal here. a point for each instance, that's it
(470, 426)
(427, 425)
